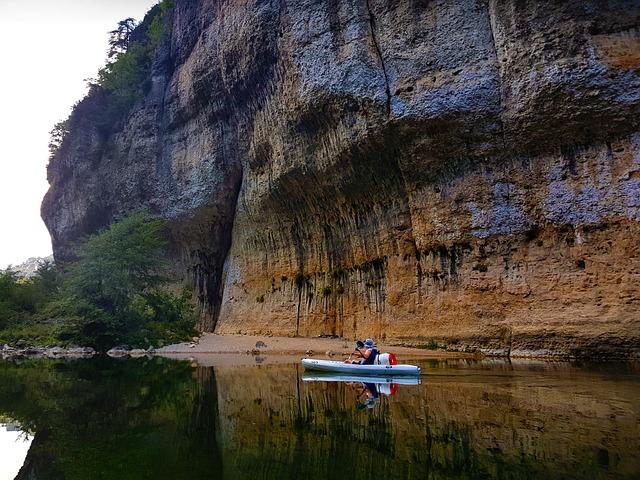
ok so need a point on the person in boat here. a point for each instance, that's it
(365, 354)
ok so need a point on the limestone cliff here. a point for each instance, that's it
(467, 171)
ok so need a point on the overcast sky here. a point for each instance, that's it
(47, 49)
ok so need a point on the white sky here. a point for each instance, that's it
(13, 450)
(47, 49)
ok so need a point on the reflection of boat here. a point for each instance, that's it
(319, 377)
(367, 387)
(355, 369)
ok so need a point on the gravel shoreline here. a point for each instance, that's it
(202, 350)
(8, 352)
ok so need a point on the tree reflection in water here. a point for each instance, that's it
(102, 419)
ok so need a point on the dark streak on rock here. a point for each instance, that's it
(374, 39)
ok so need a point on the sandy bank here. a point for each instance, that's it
(213, 348)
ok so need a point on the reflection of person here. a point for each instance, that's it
(365, 355)
(367, 398)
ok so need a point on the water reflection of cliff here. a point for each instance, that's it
(159, 419)
(459, 424)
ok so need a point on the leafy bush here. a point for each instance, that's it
(114, 293)
(24, 304)
(126, 78)
(33, 331)
(20, 296)
(156, 31)
(8, 290)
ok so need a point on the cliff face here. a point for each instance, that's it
(467, 171)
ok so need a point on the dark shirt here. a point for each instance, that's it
(373, 353)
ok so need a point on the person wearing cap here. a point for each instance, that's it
(367, 355)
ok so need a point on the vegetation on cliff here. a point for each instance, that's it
(125, 78)
(114, 293)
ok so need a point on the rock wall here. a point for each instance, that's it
(462, 171)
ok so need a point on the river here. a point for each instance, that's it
(162, 419)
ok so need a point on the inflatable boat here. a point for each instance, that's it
(379, 379)
(355, 369)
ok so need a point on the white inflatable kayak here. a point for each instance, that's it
(336, 377)
(354, 369)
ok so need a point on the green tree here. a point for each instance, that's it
(24, 306)
(132, 46)
(120, 37)
(126, 78)
(57, 136)
(115, 289)
(8, 290)
(119, 263)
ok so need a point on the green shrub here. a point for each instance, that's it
(115, 292)
(35, 332)
(156, 31)
(24, 306)
(8, 290)
(126, 78)
(25, 296)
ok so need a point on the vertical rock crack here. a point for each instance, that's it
(492, 28)
(372, 26)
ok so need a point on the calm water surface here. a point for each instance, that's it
(160, 419)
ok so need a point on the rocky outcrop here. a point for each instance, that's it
(462, 171)
(30, 266)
